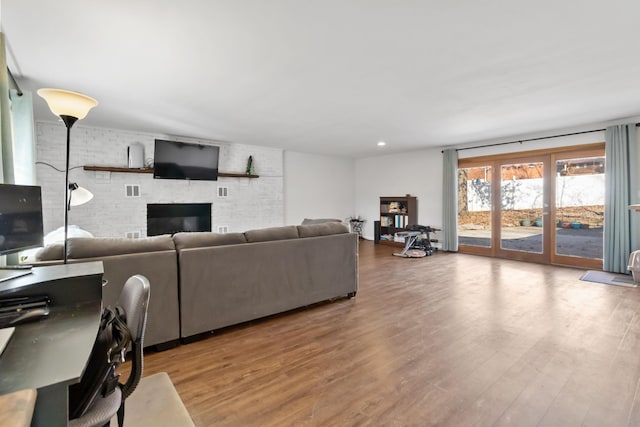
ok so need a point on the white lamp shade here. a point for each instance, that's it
(67, 103)
(79, 196)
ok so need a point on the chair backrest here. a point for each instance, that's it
(134, 299)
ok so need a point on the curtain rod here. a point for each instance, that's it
(520, 141)
(15, 83)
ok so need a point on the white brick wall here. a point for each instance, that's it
(252, 203)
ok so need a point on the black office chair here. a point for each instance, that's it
(134, 299)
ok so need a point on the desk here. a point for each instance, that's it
(50, 354)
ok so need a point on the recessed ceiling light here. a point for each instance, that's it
(381, 143)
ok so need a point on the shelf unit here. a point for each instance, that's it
(395, 214)
(150, 170)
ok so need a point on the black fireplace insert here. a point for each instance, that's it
(170, 218)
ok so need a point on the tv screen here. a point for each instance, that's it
(179, 160)
(20, 218)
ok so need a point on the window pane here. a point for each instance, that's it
(521, 199)
(580, 207)
(474, 206)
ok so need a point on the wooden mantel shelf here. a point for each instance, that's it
(150, 170)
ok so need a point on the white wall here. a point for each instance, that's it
(318, 186)
(252, 203)
(417, 173)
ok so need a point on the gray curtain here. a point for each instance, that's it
(450, 200)
(621, 176)
(24, 147)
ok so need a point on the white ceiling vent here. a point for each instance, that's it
(223, 191)
(132, 190)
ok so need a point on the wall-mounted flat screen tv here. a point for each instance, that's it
(181, 160)
(20, 218)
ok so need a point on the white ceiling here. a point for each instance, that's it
(333, 76)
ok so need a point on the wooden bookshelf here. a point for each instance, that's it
(150, 170)
(396, 213)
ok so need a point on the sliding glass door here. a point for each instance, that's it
(578, 208)
(475, 207)
(523, 211)
(545, 207)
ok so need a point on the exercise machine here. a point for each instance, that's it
(417, 241)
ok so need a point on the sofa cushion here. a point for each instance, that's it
(87, 247)
(50, 252)
(205, 238)
(273, 233)
(325, 229)
(310, 221)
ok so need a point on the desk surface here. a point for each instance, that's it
(49, 273)
(52, 353)
(52, 350)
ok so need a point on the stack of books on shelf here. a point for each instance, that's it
(386, 221)
(401, 221)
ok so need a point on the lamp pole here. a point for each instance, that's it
(68, 122)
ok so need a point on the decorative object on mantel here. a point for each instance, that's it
(135, 155)
(250, 170)
(70, 107)
(150, 170)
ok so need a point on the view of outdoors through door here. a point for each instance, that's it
(579, 199)
(474, 206)
(521, 196)
(537, 206)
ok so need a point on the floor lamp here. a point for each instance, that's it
(70, 107)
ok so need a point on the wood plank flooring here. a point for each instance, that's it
(451, 340)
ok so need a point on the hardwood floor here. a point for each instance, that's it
(452, 339)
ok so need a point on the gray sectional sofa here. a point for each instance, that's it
(205, 281)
